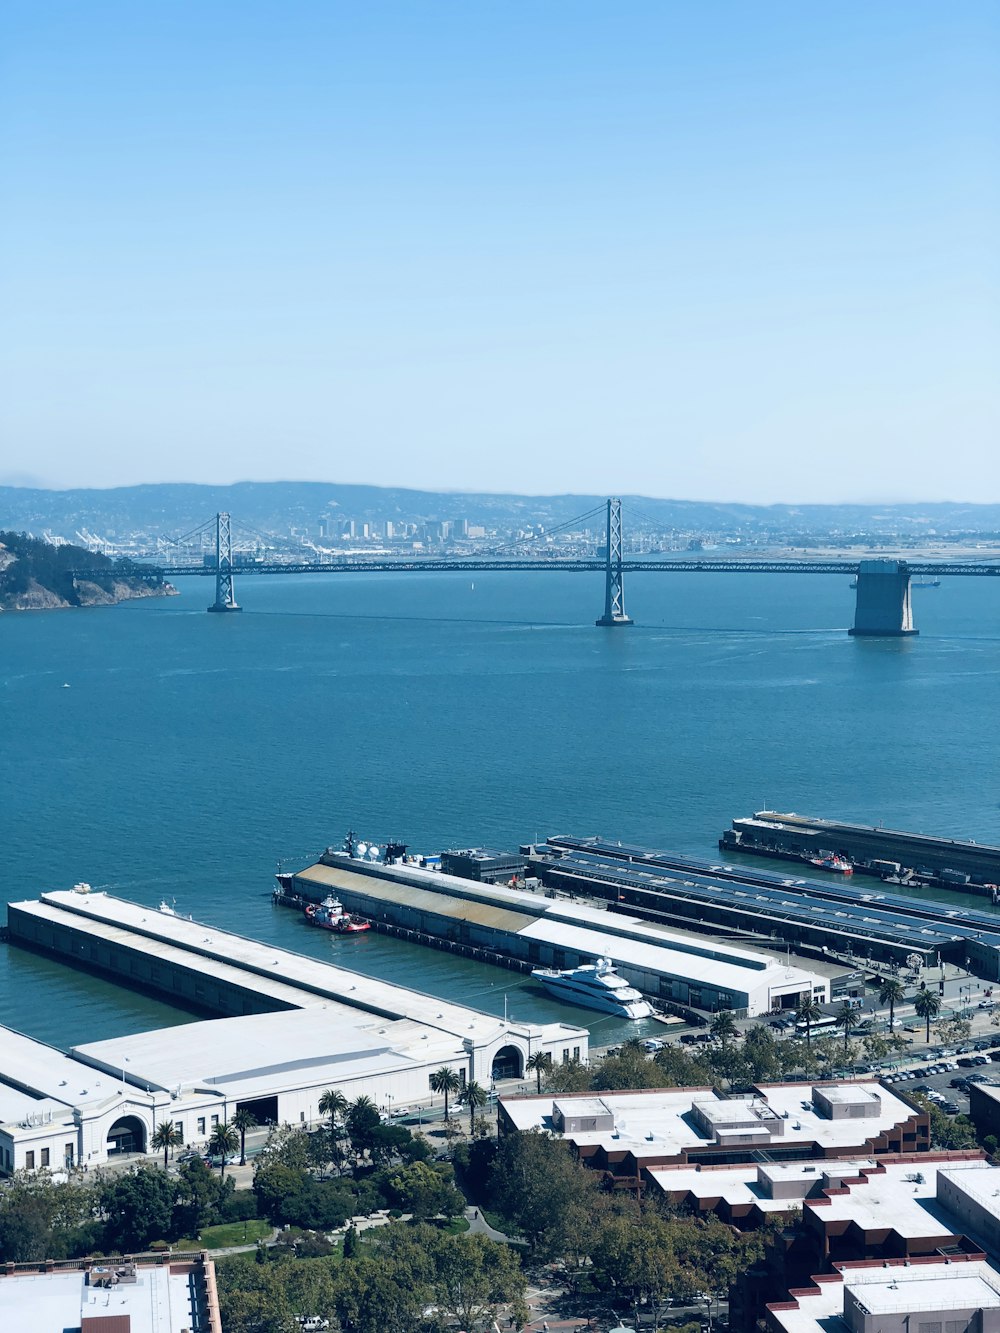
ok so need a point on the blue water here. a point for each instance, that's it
(190, 752)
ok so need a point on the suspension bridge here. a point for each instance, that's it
(883, 605)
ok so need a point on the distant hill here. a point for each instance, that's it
(37, 576)
(172, 508)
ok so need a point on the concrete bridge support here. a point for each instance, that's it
(614, 596)
(883, 603)
(225, 593)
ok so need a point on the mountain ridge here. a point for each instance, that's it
(173, 506)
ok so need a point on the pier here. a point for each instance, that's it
(886, 853)
(832, 915)
(532, 930)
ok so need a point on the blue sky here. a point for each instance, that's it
(724, 251)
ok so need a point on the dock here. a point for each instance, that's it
(889, 854)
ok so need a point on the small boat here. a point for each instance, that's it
(925, 583)
(330, 915)
(832, 861)
(166, 908)
(595, 986)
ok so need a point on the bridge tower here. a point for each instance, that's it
(883, 604)
(614, 595)
(225, 597)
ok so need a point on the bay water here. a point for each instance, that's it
(164, 754)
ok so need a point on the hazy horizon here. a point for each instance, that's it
(727, 251)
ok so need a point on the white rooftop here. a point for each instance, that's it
(58, 1081)
(627, 940)
(158, 1302)
(301, 979)
(894, 1288)
(739, 1185)
(269, 1052)
(895, 1198)
(658, 1123)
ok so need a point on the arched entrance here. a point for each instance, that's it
(508, 1063)
(126, 1135)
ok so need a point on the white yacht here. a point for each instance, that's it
(595, 986)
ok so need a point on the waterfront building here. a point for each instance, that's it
(288, 1028)
(554, 932)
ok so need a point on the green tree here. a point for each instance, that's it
(223, 1142)
(535, 1183)
(362, 1121)
(724, 1028)
(424, 1191)
(763, 1058)
(334, 1104)
(846, 1018)
(475, 1279)
(241, 1122)
(137, 1207)
(891, 992)
(166, 1135)
(927, 1005)
(807, 1012)
(254, 1297)
(539, 1063)
(445, 1080)
(476, 1096)
(639, 1263)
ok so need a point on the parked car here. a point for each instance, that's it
(962, 1083)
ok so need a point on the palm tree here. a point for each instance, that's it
(928, 1006)
(334, 1104)
(242, 1121)
(447, 1081)
(540, 1063)
(477, 1096)
(846, 1018)
(724, 1027)
(891, 992)
(166, 1136)
(808, 1011)
(223, 1141)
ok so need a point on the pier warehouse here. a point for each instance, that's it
(291, 1027)
(549, 932)
(878, 850)
(663, 886)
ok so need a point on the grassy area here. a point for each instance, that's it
(454, 1226)
(228, 1233)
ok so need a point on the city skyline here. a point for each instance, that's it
(716, 255)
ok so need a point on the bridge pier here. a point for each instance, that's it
(225, 593)
(883, 606)
(614, 592)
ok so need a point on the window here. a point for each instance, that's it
(45, 1157)
(179, 1127)
(68, 1154)
(201, 1124)
(215, 1121)
(29, 1161)
(302, 1116)
(576, 1052)
(566, 1056)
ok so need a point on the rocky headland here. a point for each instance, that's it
(37, 575)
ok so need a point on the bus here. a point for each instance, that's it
(823, 1024)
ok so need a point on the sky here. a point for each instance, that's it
(721, 251)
